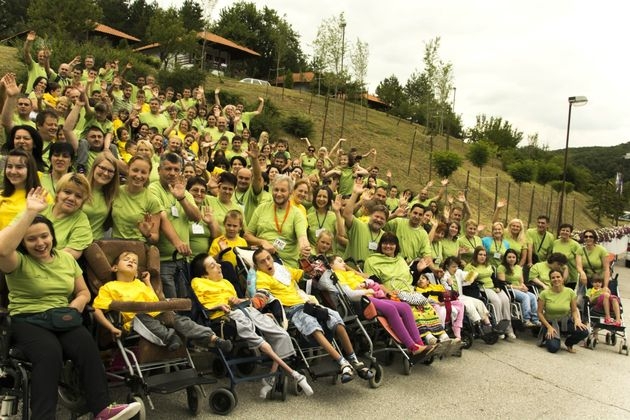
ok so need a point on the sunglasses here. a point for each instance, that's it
(589, 236)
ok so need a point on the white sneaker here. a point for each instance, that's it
(268, 384)
(303, 383)
(510, 336)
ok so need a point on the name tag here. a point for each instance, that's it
(318, 232)
(279, 244)
(497, 256)
(174, 211)
(197, 228)
(373, 246)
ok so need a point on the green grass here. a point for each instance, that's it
(392, 138)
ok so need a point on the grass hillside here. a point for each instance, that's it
(393, 139)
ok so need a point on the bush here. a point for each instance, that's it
(268, 121)
(179, 79)
(446, 163)
(298, 125)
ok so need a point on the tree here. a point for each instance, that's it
(329, 44)
(606, 201)
(115, 13)
(446, 163)
(13, 16)
(244, 24)
(167, 29)
(359, 57)
(478, 154)
(547, 172)
(140, 13)
(68, 19)
(496, 131)
(521, 172)
(192, 16)
(390, 91)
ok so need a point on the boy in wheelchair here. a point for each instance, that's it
(128, 288)
(219, 297)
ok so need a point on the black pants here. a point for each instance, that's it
(47, 350)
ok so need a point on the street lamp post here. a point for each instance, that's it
(343, 50)
(577, 101)
(448, 129)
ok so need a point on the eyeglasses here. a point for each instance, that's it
(106, 169)
(589, 237)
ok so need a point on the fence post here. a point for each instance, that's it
(496, 191)
(413, 142)
(531, 206)
(325, 118)
(507, 206)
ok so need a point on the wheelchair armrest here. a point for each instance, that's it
(176, 304)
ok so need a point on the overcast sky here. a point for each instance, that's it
(519, 60)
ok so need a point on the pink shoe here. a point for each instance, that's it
(119, 411)
(617, 323)
(609, 321)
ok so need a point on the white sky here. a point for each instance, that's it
(519, 60)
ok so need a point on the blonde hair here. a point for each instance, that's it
(78, 180)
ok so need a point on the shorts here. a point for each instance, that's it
(599, 305)
(307, 324)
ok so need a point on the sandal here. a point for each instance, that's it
(362, 370)
(347, 374)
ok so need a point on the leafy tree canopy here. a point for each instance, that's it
(67, 19)
(496, 131)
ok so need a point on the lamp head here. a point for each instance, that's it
(578, 100)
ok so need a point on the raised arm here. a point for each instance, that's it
(336, 146)
(217, 100)
(348, 211)
(253, 151)
(261, 106)
(71, 123)
(12, 90)
(500, 204)
(30, 37)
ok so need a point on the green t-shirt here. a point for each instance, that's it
(308, 164)
(540, 271)
(592, 261)
(362, 242)
(175, 214)
(495, 250)
(392, 203)
(557, 305)
(247, 202)
(35, 70)
(393, 271)
(414, 242)
(219, 210)
(287, 224)
(129, 209)
(317, 223)
(48, 184)
(159, 121)
(541, 244)
(36, 287)
(484, 274)
(73, 231)
(97, 211)
(469, 245)
(437, 252)
(516, 246)
(570, 249)
(199, 234)
(346, 181)
(449, 248)
(513, 279)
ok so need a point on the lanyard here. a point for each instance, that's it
(472, 243)
(240, 200)
(497, 248)
(323, 221)
(275, 216)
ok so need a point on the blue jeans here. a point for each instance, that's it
(529, 305)
(574, 336)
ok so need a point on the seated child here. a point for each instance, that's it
(601, 298)
(219, 296)
(398, 314)
(222, 246)
(474, 308)
(434, 292)
(128, 288)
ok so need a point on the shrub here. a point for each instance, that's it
(180, 78)
(268, 121)
(298, 125)
(446, 163)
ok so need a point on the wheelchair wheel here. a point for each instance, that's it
(222, 401)
(69, 390)
(142, 414)
(467, 339)
(218, 368)
(245, 369)
(193, 395)
(613, 339)
(406, 366)
(376, 380)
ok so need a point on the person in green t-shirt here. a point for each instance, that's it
(556, 304)
(571, 248)
(539, 241)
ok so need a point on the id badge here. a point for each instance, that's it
(174, 211)
(318, 232)
(279, 244)
(197, 228)
(497, 256)
(373, 246)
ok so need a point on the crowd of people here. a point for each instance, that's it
(184, 172)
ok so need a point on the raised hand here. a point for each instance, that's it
(501, 203)
(358, 187)
(337, 203)
(146, 225)
(461, 197)
(253, 151)
(10, 85)
(178, 188)
(36, 199)
(444, 182)
(208, 217)
(30, 37)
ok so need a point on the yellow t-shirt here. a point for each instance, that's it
(283, 285)
(126, 291)
(211, 293)
(229, 256)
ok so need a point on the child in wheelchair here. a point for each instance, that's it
(602, 300)
(128, 288)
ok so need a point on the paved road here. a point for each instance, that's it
(507, 380)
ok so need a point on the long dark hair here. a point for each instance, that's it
(38, 144)
(32, 179)
(508, 269)
(328, 191)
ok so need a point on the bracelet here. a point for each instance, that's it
(180, 199)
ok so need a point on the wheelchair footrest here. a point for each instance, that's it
(167, 383)
(325, 368)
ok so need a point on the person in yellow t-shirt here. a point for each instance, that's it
(128, 288)
(223, 246)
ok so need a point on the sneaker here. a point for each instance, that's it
(501, 336)
(268, 384)
(119, 411)
(224, 345)
(431, 341)
(302, 383)
(362, 370)
(486, 329)
(347, 374)
(529, 324)
(502, 326)
(510, 336)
